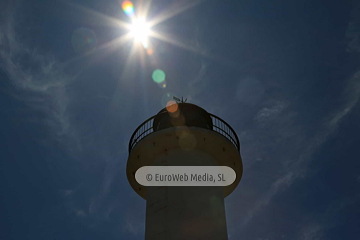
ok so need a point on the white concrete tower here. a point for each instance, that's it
(184, 134)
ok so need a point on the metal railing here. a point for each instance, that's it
(142, 131)
(219, 126)
(222, 127)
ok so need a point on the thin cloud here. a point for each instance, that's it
(352, 93)
(38, 77)
(134, 224)
(311, 232)
(353, 30)
(198, 84)
(280, 184)
(271, 112)
(277, 126)
(40, 83)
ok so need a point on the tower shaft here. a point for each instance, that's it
(185, 212)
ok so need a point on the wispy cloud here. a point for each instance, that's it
(352, 96)
(197, 85)
(271, 112)
(132, 227)
(39, 82)
(311, 232)
(277, 126)
(134, 224)
(279, 184)
(38, 78)
(353, 30)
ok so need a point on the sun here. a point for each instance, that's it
(140, 30)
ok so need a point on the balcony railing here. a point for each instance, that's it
(219, 126)
(222, 127)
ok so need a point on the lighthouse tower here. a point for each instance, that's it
(183, 134)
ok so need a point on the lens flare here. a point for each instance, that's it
(83, 40)
(187, 141)
(158, 76)
(178, 121)
(176, 115)
(171, 106)
(149, 51)
(162, 85)
(128, 8)
(166, 98)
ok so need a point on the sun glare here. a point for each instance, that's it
(140, 31)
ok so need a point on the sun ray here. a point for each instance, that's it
(170, 14)
(116, 42)
(124, 72)
(108, 46)
(190, 48)
(100, 17)
(143, 8)
(164, 38)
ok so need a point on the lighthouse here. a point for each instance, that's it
(184, 134)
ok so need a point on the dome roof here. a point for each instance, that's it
(192, 114)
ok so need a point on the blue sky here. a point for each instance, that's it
(284, 74)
